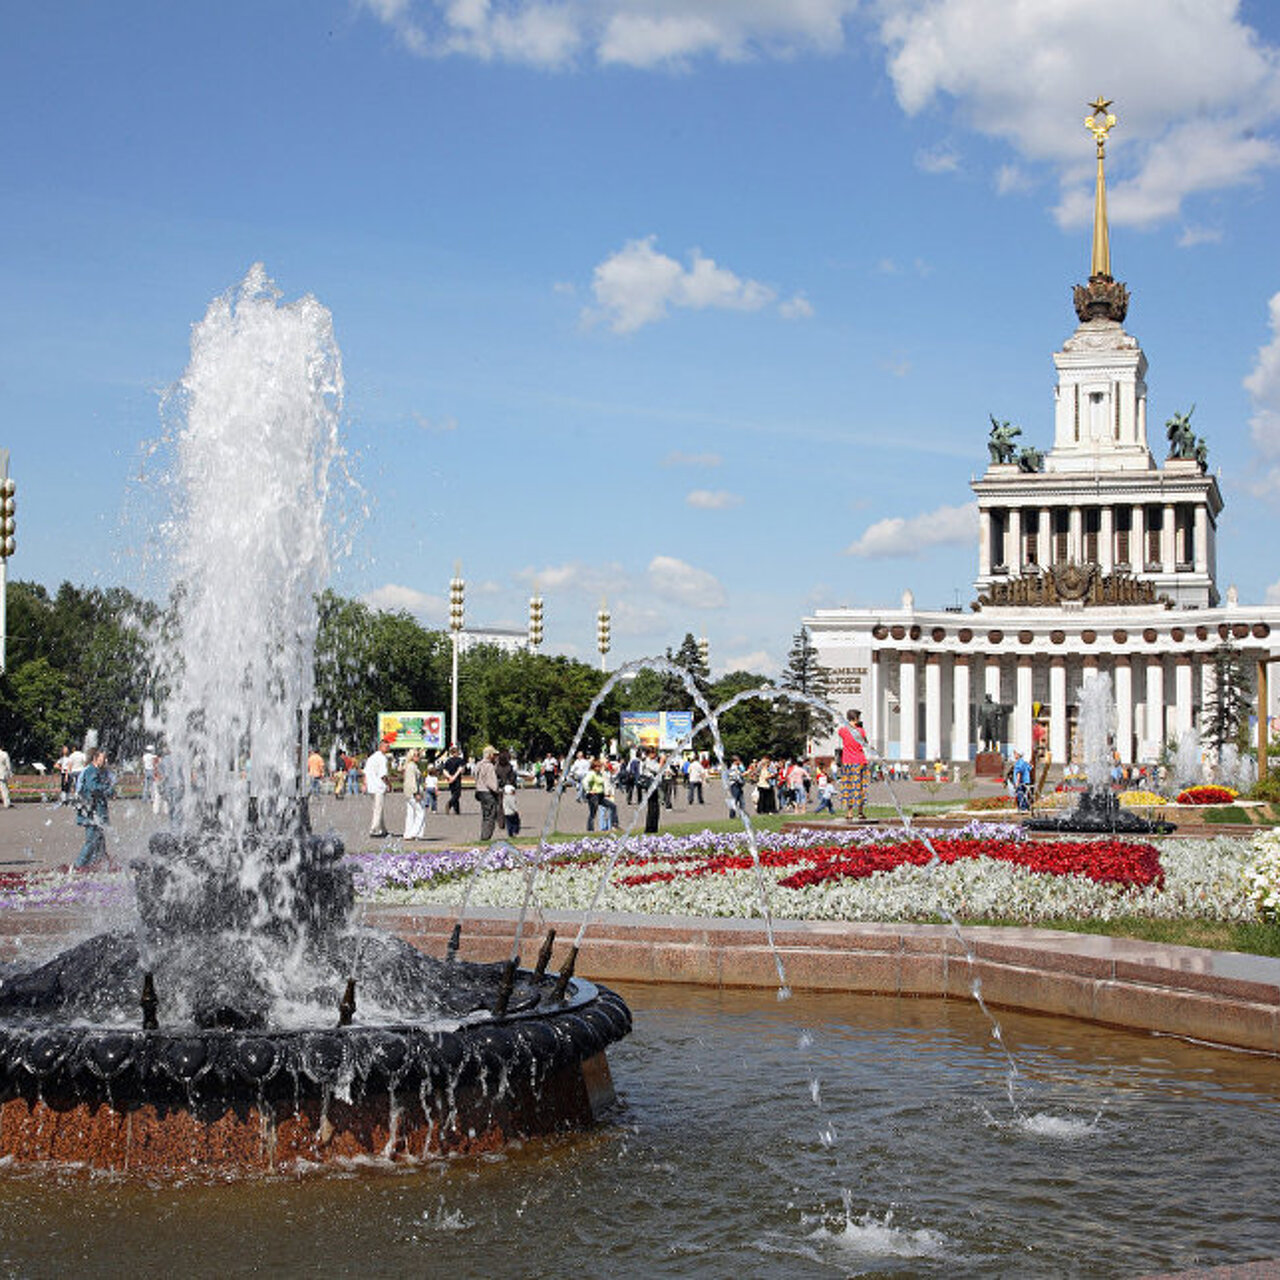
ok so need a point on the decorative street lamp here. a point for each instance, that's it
(535, 620)
(457, 616)
(7, 526)
(602, 632)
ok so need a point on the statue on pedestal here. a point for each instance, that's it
(992, 717)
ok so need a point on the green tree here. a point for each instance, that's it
(1226, 706)
(76, 661)
(747, 730)
(797, 722)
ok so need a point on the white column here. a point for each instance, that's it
(873, 720)
(1015, 541)
(1046, 537)
(1154, 727)
(1106, 540)
(1075, 535)
(984, 542)
(1200, 535)
(1138, 538)
(1181, 694)
(991, 677)
(1168, 550)
(932, 706)
(1123, 680)
(960, 696)
(1058, 710)
(1022, 708)
(907, 706)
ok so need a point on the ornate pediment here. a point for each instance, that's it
(1070, 583)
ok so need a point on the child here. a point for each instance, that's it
(826, 793)
(510, 814)
(431, 788)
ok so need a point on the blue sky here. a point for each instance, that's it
(698, 307)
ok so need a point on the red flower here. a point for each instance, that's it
(1105, 861)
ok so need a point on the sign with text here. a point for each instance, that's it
(665, 730)
(406, 730)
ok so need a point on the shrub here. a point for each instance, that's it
(1267, 788)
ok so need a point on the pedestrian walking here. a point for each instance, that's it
(96, 787)
(375, 783)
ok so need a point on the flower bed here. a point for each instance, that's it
(1141, 799)
(1207, 795)
(1262, 875)
(986, 870)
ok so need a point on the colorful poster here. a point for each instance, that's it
(404, 730)
(665, 730)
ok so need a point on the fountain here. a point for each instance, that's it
(246, 1022)
(1099, 810)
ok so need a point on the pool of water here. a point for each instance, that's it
(822, 1136)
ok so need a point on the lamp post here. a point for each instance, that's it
(602, 632)
(7, 505)
(457, 615)
(535, 620)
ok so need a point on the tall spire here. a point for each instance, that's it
(1102, 298)
(1099, 123)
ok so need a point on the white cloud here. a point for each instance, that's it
(635, 33)
(1012, 179)
(394, 598)
(593, 579)
(637, 285)
(435, 425)
(796, 308)
(1199, 88)
(1194, 235)
(712, 499)
(911, 535)
(674, 580)
(759, 661)
(1263, 386)
(676, 458)
(1273, 593)
(940, 159)
(1015, 71)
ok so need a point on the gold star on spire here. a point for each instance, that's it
(1100, 123)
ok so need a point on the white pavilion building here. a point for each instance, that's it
(1091, 558)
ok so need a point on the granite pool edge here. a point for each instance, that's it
(1218, 997)
(1223, 998)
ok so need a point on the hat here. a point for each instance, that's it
(509, 790)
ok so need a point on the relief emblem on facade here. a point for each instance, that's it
(1070, 583)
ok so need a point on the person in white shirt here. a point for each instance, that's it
(375, 784)
(6, 772)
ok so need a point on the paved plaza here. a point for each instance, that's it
(42, 835)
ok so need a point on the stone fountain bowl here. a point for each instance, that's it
(1099, 812)
(251, 1099)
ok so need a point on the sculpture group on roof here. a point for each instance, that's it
(1003, 451)
(1183, 442)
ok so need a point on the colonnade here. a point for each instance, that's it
(1142, 537)
(923, 704)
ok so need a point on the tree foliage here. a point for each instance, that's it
(75, 661)
(81, 659)
(1226, 706)
(797, 722)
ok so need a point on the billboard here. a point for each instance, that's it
(665, 730)
(404, 730)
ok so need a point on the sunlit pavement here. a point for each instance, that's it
(40, 835)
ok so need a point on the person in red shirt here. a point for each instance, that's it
(853, 766)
